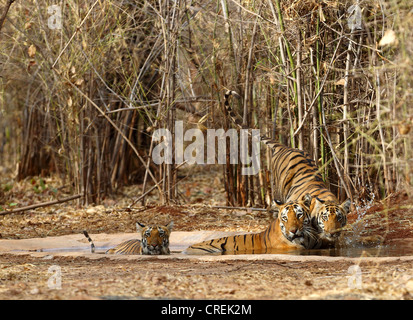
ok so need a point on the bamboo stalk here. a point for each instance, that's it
(300, 106)
(287, 47)
(335, 159)
(315, 145)
(346, 161)
(225, 12)
(320, 100)
(289, 69)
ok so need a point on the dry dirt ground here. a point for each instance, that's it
(28, 277)
(32, 275)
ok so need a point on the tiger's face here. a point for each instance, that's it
(330, 218)
(294, 218)
(155, 239)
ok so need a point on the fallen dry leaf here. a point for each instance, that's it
(79, 82)
(340, 82)
(388, 38)
(31, 51)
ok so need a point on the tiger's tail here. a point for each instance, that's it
(236, 118)
(92, 245)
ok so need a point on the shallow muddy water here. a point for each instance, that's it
(391, 250)
(379, 251)
(397, 248)
(181, 240)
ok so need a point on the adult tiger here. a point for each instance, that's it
(290, 230)
(295, 174)
(155, 241)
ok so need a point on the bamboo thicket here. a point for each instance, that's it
(83, 100)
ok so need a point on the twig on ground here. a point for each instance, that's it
(39, 205)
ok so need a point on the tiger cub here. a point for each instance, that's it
(155, 241)
(290, 230)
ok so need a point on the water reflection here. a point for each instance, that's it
(378, 251)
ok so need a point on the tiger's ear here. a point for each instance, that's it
(346, 206)
(318, 204)
(275, 208)
(170, 225)
(307, 198)
(139, 226)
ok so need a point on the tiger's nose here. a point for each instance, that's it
(294, 230)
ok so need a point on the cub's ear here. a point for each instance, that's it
(307, 198)
(170, 225)
(318, 204)
(346, 206)
(275, 208)
(139, 226)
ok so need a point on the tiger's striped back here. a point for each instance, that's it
(295, 174)
(291, 230)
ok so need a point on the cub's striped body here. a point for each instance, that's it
(130, 247)
(290, 230)
(155, 241)
(296, 174)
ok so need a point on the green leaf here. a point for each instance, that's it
(42, 184)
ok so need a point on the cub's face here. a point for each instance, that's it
(330, 218)
(294, 218)
(155, 239)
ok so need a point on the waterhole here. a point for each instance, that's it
(396, 249)
(401, 248)
(182, 240)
